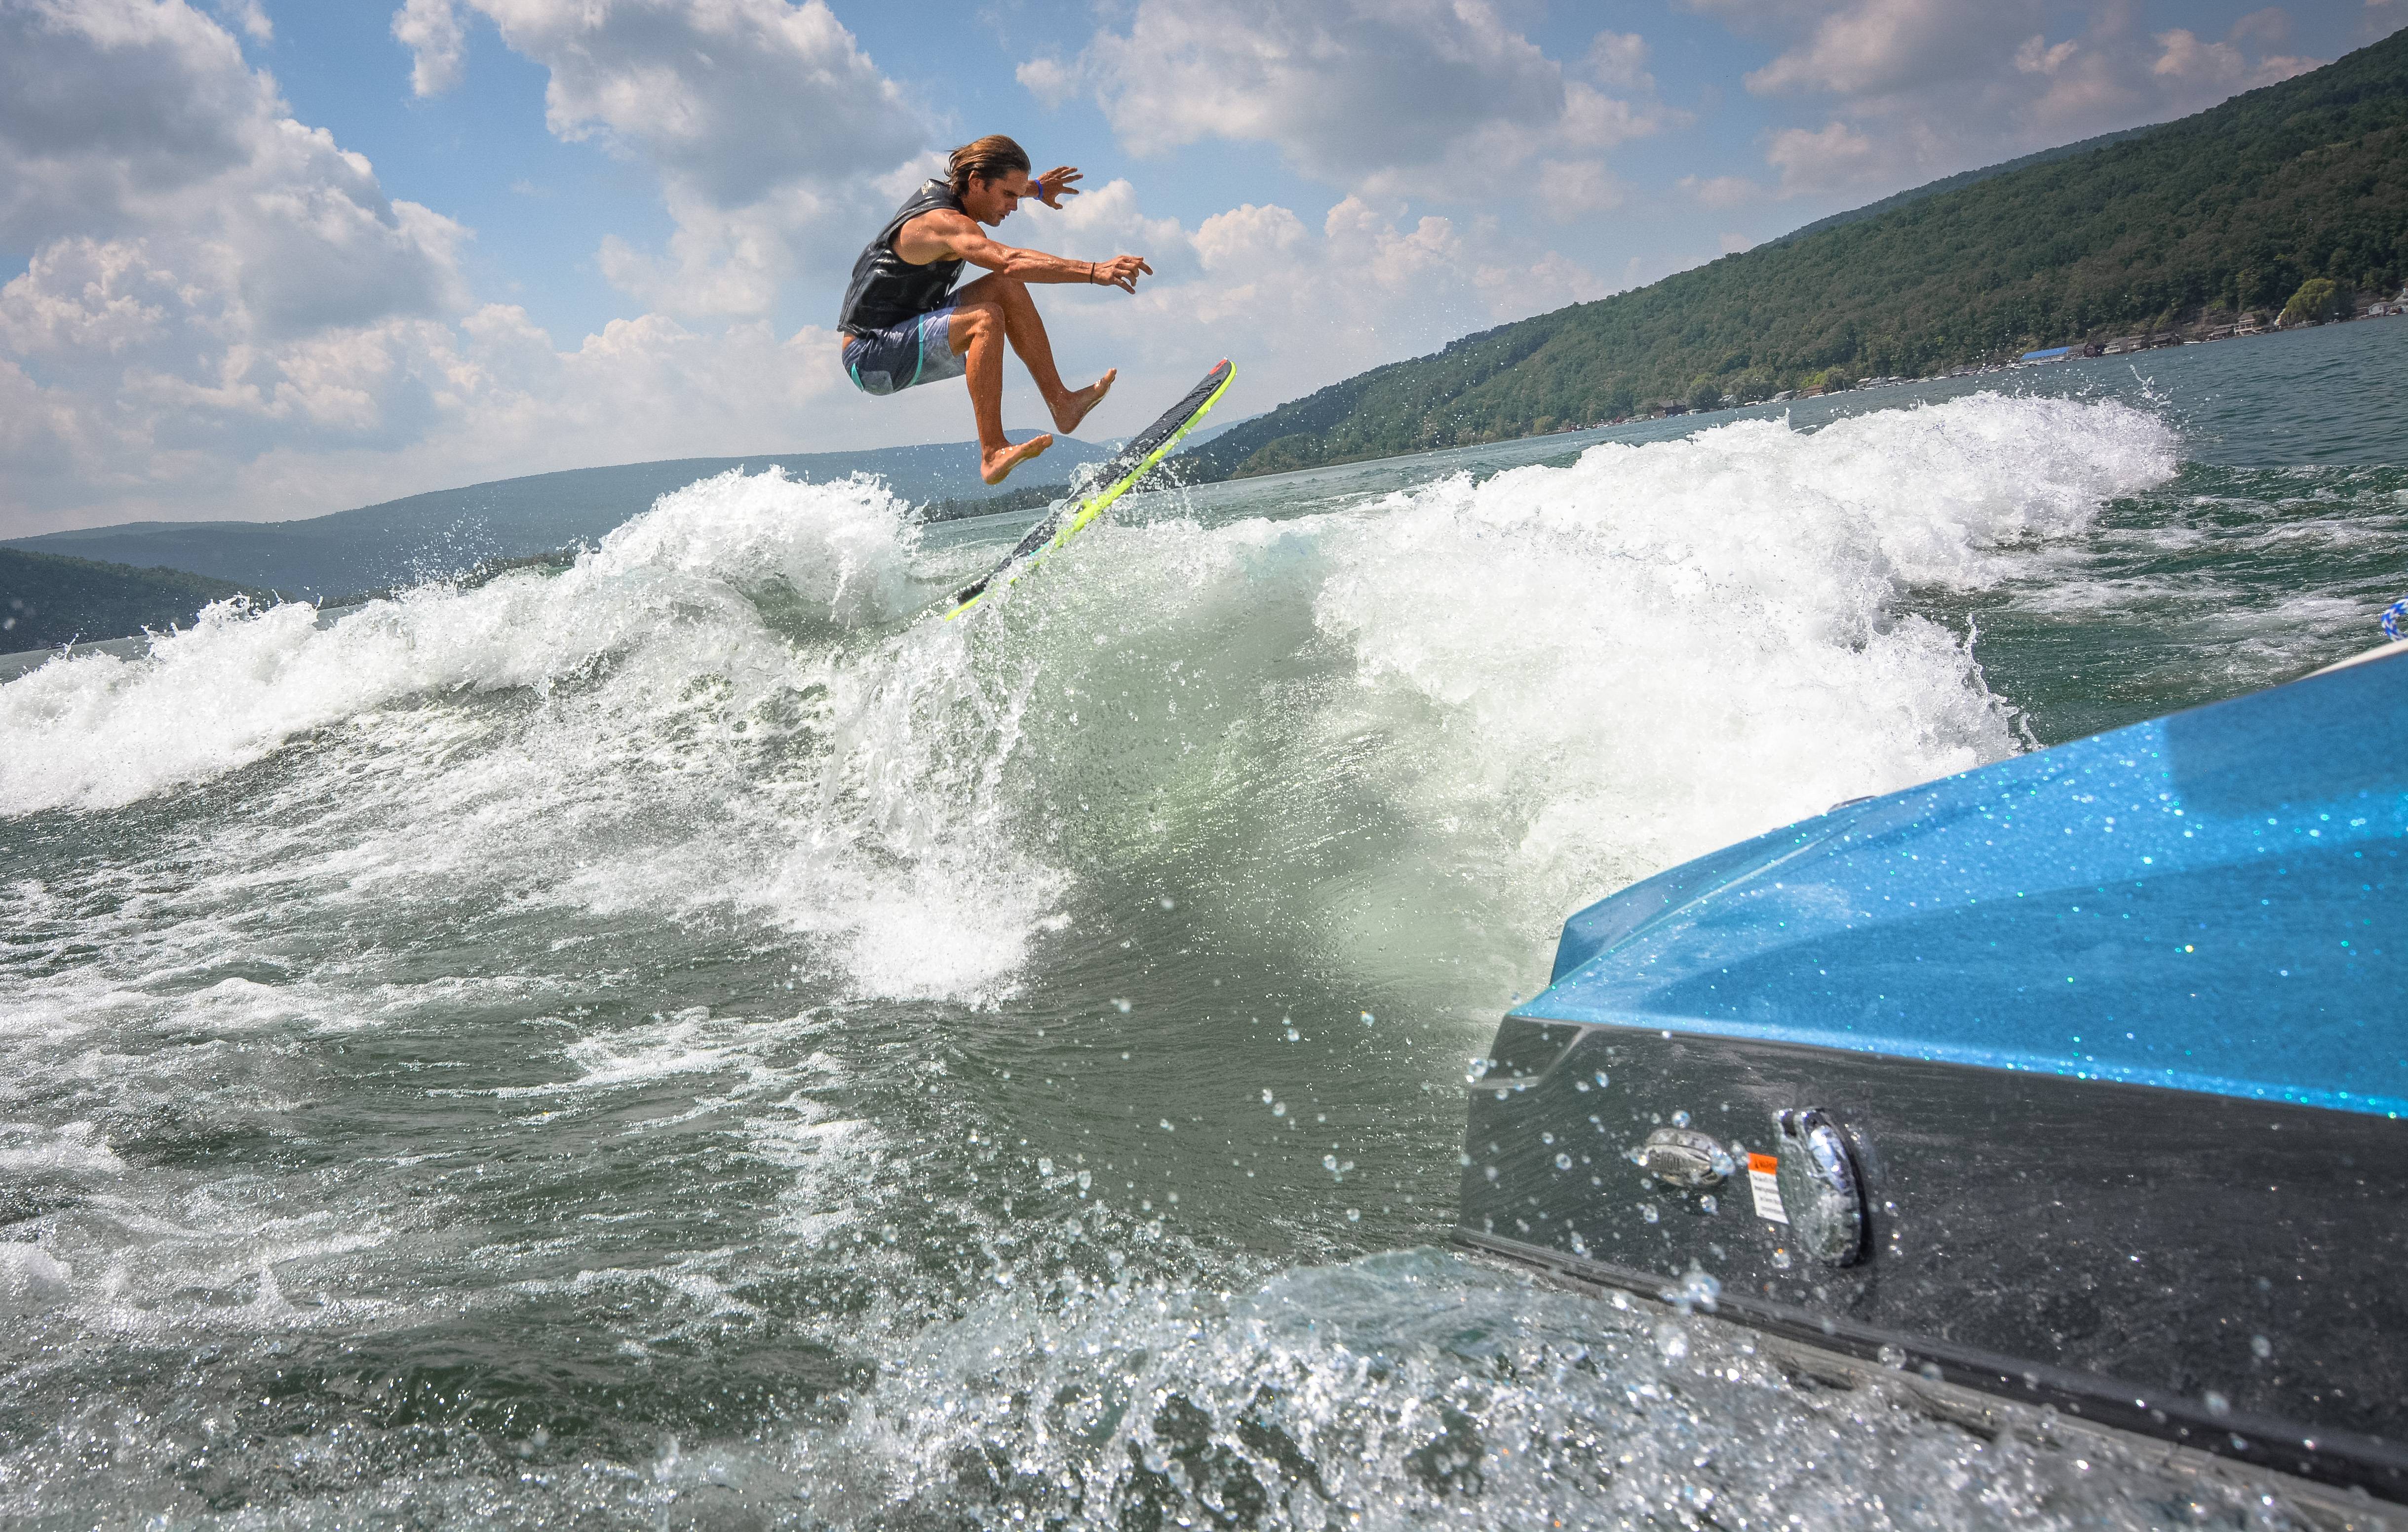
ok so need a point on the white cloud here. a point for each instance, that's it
(1917, 88)
(438, 45)
(1569, 189)
(1619, 58)
(137, 147)
(250, 16)
(732, 99)
(1373, 96)
(1829, 158)
(2222, 67)
(1722, 190)
(208, 277)
(1049, 79)
(768, 128)
(1878, 47)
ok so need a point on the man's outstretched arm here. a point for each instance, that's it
(949, 235)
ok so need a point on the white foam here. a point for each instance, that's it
(30, 1278)
(1413, 1389)
(97, 731)
(31, 1154)
(1609, 668)
(692, 1041)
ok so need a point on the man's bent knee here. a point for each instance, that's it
(973, 321)
(992, 288)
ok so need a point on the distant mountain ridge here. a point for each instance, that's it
(444, 532)
(2233, 207)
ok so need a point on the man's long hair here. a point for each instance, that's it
(989, 159)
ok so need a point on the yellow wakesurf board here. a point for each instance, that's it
(1145, 451)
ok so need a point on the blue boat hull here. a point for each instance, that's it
(2081, 1078)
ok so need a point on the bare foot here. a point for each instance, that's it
(1074, 407)
(996, 465)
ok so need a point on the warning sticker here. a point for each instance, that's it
(1760, 1170)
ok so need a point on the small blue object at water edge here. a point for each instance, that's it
(2391, 616)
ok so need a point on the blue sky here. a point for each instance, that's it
(265, 260)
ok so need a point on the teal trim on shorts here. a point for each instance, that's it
(874, 360)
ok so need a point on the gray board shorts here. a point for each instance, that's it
(918, 350)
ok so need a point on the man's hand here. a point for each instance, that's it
(1056, 184)
(1122, 271)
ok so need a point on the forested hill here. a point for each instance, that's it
(47, 600)
(2232, 208)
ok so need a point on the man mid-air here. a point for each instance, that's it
(903, 323)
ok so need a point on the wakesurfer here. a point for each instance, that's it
(905, 323)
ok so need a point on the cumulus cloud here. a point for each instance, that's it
(1569, 189)
(207, 275)
(1830, 157)
(250, 17)
(223, 313)
(1365, 94)
(1915, 88)
(1619, 58)
(437, 44)
(1722, 190)
(768, 127)
(1878, 47)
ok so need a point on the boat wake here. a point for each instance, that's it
(1493, 696)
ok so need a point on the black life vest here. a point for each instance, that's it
(886, 289)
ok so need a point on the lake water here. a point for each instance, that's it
(683, 1041)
